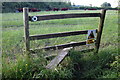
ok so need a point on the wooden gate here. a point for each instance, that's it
(28, 38)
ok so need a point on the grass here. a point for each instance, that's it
(16, 64)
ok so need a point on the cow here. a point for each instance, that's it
(30, 10)
(64, 9)
(55, 9)
(20, 9)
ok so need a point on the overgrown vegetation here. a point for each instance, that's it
(77, 65)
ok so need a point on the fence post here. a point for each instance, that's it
(26, 29)
(100, 28)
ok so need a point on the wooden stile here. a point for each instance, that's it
(65, 47)
(28, 38)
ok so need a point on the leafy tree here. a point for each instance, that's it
(106, 5)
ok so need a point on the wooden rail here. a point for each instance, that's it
(55, 35)
(63, 16)
(62, 46)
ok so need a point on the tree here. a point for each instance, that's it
(106, 5)
(12, 6)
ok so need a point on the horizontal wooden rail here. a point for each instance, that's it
(62, 16)
(62, 46)
(54, 35)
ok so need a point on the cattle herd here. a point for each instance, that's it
(37, 10)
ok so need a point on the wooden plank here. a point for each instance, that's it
(60, 46)
(55, 35)
(100, 29)
(26, 28)
(58, 58)
(63, 16)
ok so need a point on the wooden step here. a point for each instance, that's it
(58, 59)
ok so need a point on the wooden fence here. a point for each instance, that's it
(28, 38)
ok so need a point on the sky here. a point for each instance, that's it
(114, 3)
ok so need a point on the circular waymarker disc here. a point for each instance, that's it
(34, 18)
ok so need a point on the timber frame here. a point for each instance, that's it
(28, 38)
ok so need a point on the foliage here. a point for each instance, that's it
(88, 65)
(19, 67)
(92, 8)
(12, 6)
(106, 5)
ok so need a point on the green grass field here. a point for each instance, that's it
(16, 64)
